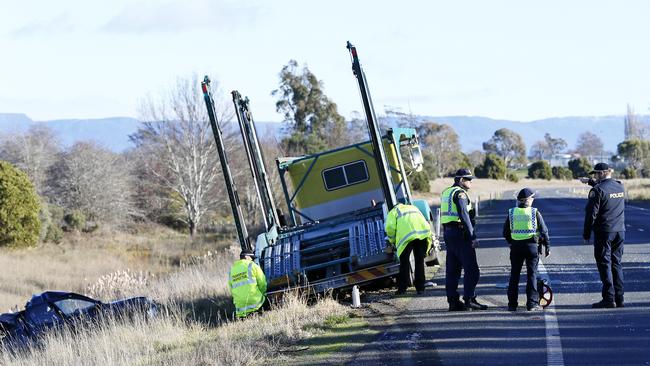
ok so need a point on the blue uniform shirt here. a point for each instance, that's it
(605, 211)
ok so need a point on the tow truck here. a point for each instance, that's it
(333, 235)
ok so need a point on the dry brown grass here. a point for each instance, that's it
(172, 339)
(492, 188)
(638, 189)
(196, 325)
(82, 260)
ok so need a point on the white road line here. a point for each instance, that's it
(554, 356)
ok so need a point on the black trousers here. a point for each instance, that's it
(460, 256)
(520, 252)
(608, 251)
(419, 248)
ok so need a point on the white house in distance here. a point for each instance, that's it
(563, 159)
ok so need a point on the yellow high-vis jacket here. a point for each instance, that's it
(406, 223)
(247, 284)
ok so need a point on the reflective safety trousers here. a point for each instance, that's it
(247, 284)
(404, 224)
(523, 222)
(448, 209)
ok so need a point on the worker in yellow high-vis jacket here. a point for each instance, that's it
(409, 231)
(247, 285)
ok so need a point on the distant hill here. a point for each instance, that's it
(113, 133)
(472, 130)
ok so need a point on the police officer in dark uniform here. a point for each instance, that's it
(605, 216)
(457, 218)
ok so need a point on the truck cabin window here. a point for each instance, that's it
(345, 175)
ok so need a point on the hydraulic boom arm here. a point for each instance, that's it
(373, 128)
(238, 216)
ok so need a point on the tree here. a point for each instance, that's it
(540, 170)
(589, 144)
(176, 144)
(33, 152)
(94, 181)
(508, 145)
(628, 173)
(555, 145)
(420, 181)
(493, 167)
(540, 150)
(580, 167)
(635, 152)
(475, 158)
(312, 120)
(19, 208)
(441, 146)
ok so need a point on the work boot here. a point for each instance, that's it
(620, 303)
(456, 305)
(603, 304)
(534, 307)
(472, 304)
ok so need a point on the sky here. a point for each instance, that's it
(518, 60)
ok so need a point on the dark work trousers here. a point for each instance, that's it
(608, 251)
(460, 256)
(419, 248)
(520, 252)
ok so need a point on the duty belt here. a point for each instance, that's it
(454, 225)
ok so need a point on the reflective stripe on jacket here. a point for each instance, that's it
(448, 209)
(247, 284)
(523, 222)
(404, 224)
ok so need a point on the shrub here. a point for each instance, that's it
(540, 170)
(420, 182)
(560, 172)
(54, 233)
(493, 167)
(19, 208)
(628, 173)
(580, 167)
(75, 220)
(645, 172)
(513, 177)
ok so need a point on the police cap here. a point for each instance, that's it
(600, 167)
(464, 173)
(246, 253)
(525, 193)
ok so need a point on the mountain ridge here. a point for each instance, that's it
(113, 132)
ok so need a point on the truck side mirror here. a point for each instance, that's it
(415, 156)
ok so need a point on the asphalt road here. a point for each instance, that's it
(420, 330)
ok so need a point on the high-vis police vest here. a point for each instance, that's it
(523, 222)
(448, 208)
(248, 285)
(404, 224)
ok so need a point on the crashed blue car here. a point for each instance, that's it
(51, 310)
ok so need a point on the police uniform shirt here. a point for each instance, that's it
(605, 211)
(462, 200)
